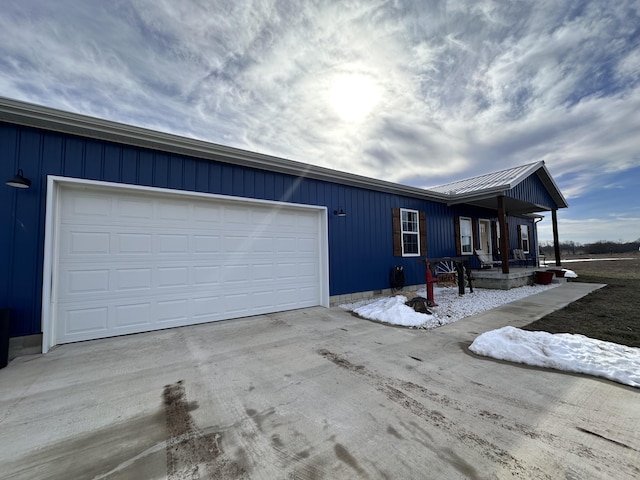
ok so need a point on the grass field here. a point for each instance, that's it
(611, 313)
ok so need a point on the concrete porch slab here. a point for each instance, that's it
(494, 278)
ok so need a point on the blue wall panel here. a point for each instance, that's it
(532, 190)
(360, 244)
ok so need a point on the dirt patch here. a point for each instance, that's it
(610, 313)
(190, 453)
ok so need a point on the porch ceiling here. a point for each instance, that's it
(512, 206)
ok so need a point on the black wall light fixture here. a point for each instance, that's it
(340, 213)
(19, 181)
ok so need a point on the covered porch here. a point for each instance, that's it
(444, 272)
(525, 192)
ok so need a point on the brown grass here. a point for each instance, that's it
(611, 313)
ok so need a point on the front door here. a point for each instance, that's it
(485, 235)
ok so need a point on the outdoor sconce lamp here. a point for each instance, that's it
(340, 213)
(19, 181)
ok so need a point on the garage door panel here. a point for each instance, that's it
(208, 306)
(172, 276)
(286, 245)
(89, 205)
(262, 271)
(174, 243)
(209, 215)
(126, 243)
(206, 243)
(237, 304)
(83, 243)
(125, 279)
(308, 271)
(132, 315)
(132, 208)
(132, 262)
(207, 275)
(262, 245)
(286, 271)
(171, 311)
(82, 323)
(176, 211)
(85, 281)
(308, 294)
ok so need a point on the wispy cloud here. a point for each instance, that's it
(456, 88)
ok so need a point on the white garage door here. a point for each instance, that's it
(132, 261)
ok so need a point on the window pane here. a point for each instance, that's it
(409, 221)
(466, 236)
(410, 243)
(466, 243)
(465, 227)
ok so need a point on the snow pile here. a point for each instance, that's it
(562, 351)
(451, 306)
(391, 310)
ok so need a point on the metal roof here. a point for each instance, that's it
(483, 187)
(471, 191)
(502, 180)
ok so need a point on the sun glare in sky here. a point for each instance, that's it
(353, 96)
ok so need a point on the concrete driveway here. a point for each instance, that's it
(312, 394)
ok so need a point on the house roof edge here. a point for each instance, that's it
(38, 116)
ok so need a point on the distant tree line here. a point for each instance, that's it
(601, 246)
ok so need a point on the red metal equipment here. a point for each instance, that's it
(430, 280)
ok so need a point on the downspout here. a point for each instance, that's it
(535, 229)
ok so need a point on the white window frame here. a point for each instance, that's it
(463, 220)
(524, 237)
(415, 232)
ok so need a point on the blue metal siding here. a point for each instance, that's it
(532, 190)
(360, 244)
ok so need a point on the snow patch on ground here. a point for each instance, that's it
(562, 351)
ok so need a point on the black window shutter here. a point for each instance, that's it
(423, 234)
(476, 235)
(457, 229)
(519, 236)
(397, 232)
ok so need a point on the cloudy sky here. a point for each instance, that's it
(419, 92)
